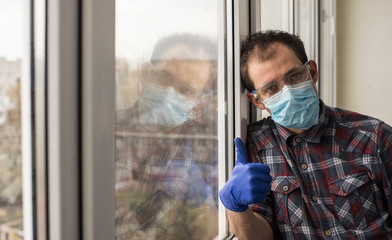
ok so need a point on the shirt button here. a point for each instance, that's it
(304, 166)
(314, 199)
(328, 233)
(285, 188)
(298, 139)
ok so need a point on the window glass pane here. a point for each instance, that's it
(305, 27)
(11, 217)
(166, 120)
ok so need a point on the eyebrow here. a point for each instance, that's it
(292, 70)
(288, 72)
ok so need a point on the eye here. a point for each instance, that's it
(271, 89)
(186, 89)
(296, 76)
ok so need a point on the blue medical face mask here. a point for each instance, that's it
(162, 108)
(296, 106)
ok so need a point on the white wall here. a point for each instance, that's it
(364, 57)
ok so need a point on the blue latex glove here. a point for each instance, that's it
(249, 183)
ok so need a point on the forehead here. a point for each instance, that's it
(184, 52)
(280, 62)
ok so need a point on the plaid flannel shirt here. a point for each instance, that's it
(332, 181)
(166, 183)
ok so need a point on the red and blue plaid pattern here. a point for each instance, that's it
(332, 181)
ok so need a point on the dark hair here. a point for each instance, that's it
(259, 45)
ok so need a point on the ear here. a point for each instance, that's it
(256, 101)
(313, 70)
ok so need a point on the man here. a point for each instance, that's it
(167, 146)
(312, 172)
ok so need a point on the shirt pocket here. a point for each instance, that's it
(353, 200)
(288, 200)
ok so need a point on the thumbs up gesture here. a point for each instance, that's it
(249, 183)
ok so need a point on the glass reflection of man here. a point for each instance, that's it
(168, 146)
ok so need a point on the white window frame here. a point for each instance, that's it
(26, 110)
(225, 111)
(327, 73)
(98, 119)
(63, 107)
(81, 114)
(241, 28)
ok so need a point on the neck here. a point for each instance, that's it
(296, 131)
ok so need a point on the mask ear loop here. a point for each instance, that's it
(255, 95)
(309, 69)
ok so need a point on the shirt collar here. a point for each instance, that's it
(314, 133)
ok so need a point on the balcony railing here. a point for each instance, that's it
(11, 230)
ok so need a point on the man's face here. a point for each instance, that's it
(173, 89)
(193, 72)
(263, 72)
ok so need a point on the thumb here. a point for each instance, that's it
(242, 158)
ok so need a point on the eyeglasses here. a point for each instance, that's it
(165, 79)
(294, 76)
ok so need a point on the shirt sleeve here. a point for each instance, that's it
(264, 208)
(385, 155)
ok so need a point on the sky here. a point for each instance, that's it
(139, 24)
(11, 28)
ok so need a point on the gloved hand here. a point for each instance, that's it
(249, 183)
(197, 189)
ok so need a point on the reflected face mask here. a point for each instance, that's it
(162, 108)
(296, 106)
